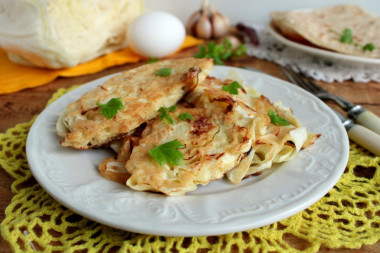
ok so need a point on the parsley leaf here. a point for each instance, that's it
(241, 50)
(164, 72)
(164, 113)
(110, 109)
(211, 51)
(277, 120)
(168, 153)
(232, 88)
(220, 52)
(369, 47)
(346, 36)
(151, 60)
(186, 116)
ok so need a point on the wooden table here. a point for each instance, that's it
(21, 106)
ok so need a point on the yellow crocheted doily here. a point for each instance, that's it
(348, 216)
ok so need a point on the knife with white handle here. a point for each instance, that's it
(365, 118)
(361, 135)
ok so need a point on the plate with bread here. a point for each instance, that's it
(344, 32)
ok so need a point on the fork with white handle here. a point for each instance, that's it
(366, 138)
(355, 112)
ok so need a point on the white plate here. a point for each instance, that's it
(323, 53)
(71, 176)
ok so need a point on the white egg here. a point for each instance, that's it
(156, 34)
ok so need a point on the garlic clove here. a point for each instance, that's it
(220, 24)
(192, 21)
(235, 42)
(203, 27)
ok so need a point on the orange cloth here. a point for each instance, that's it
(14, 77)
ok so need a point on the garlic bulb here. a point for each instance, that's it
(207, 23)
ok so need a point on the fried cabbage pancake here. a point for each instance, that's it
(142, 93)
(218, 139)
(231, 135)
(323, 27)
(276, 144)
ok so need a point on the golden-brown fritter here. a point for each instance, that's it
(274, 145)
(142, 92)
(218, 139)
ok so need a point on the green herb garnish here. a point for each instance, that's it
(232, 88)
(346, 36)
(151, 60)
(368, 47)
(164, 72)
(110, 109)
(186, 116)
(241, 50)
(164, 113)
(220, 52)
(277, 120)
(168, 153)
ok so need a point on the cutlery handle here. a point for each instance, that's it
(369, 120)
(365, 138)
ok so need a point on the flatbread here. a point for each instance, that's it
(142, 92)
(323, 27)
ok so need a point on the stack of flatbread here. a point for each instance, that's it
(227, 135)
(324, 28)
